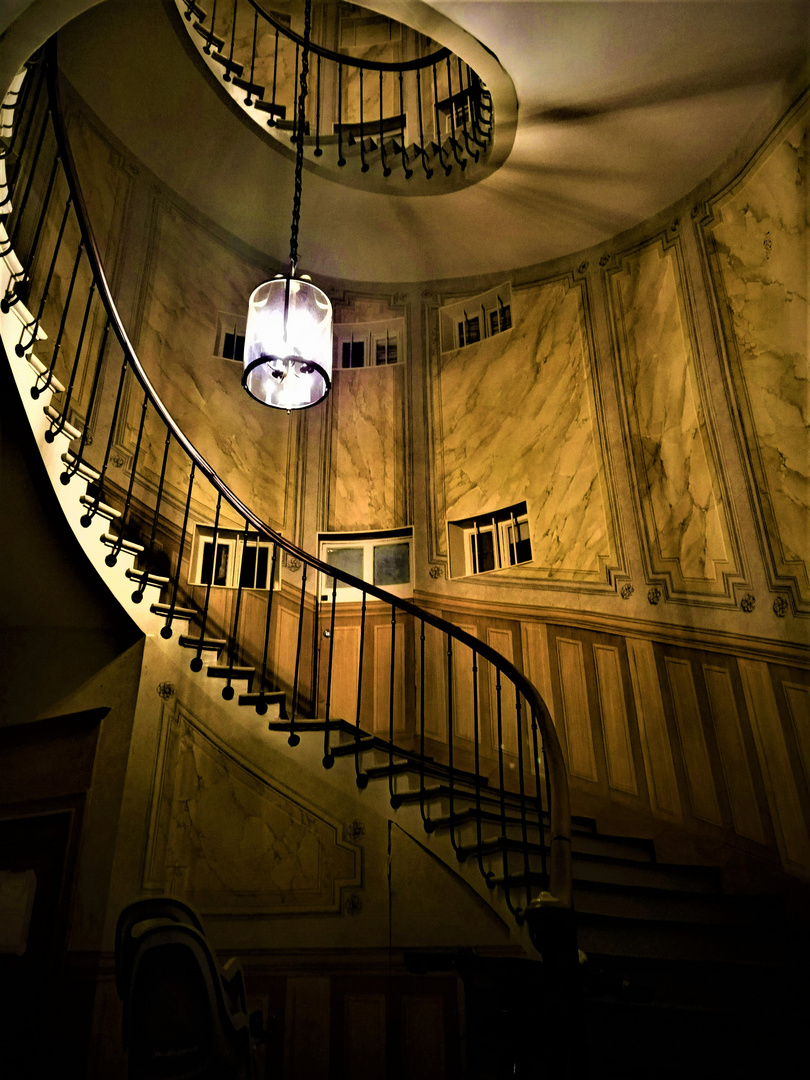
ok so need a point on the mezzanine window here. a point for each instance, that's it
(381, 558)
(230, 560)
(492, 541)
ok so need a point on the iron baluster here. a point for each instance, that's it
(360, 776)
(249, 99)
(341, 158)
(78, 459)
(261, 704)
(196, 661)
(21, 109)
(465, 113)
(522, 788)
(271, 118)
(12, 296)
(501, 790)
(33, 326)
(227, 689)
(87, 518)
(112, 558)
(395, 801)
(364, 163)
(425, 817)
(477, 764)
(57, 345)
(318, 151)
(166, 629)
(328, 759)
(408, 172)
(437, 127)
(20, 208)
(422, 151)
(538, 794)
(227, 76)
(50, 435)
(210, 41)
(296, 116)
(385, 168)
(450, 736)
(294, 738)
(137, 596)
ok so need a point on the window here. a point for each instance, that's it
(490, 541)
(230, 338)
(371, 344)
(236, 560)
(353, 354)
(454, 113)
(381, 558)
(469, 321)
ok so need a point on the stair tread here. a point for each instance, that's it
(79, 467)
(100, 508)
(187, 642)
(111, 540)
(144, 575)
(52, 383)
(176, 612)
(224, 671)
(65, 428)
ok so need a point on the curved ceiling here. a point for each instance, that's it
(623, 108)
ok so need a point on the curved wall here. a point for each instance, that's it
(648, 403)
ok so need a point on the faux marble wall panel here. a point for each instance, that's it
(736, 768)
(699, 777)
(757, 232)
(685, 528)
(248, 445)
(615, 726)
(367, 458)
(277, 855)
(652, 726)
(518, 421)
(785, 805)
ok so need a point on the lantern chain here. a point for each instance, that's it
(299, 142)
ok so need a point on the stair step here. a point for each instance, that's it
(254, 89)
(66, 429)
(80, 468)
(229, 65)
(145, 578)
(639, 901)
(266, 697)
(698, 879)
(290, 726)
(203, 644)
(100, 508)
(396, 768)
(167, 610)
(232, 673)
(209, 37)
(129, 546)
(616, 935)
(271, 107)
(40, 369)
(359, 746)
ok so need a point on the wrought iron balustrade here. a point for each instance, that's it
(403, 119)
(460, 732)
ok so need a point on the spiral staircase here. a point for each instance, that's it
(680, 975)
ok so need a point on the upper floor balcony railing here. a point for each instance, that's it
(385, 103)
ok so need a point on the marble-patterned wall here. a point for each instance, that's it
(686, 531)
(755, 236)
(516, 418)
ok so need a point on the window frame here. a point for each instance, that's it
(464, 537)
(367, 542)
(235, 541)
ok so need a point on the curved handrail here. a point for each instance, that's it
(352, 61)
(559, 867)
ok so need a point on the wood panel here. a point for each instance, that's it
(655, 745)
(699, 779)
(463, 711)
(364, 1036)
(571, 663)
(774, 759)
(736, 768)
(423, 1037)
(382, 679)
(307, 1021)
(618, 748)
(798, 699)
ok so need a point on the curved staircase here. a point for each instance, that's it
(681, 977)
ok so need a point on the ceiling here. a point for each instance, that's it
(623, 107)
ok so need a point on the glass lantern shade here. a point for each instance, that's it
(288, 344)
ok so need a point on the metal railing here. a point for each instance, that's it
(395, 118)
(446, 721)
